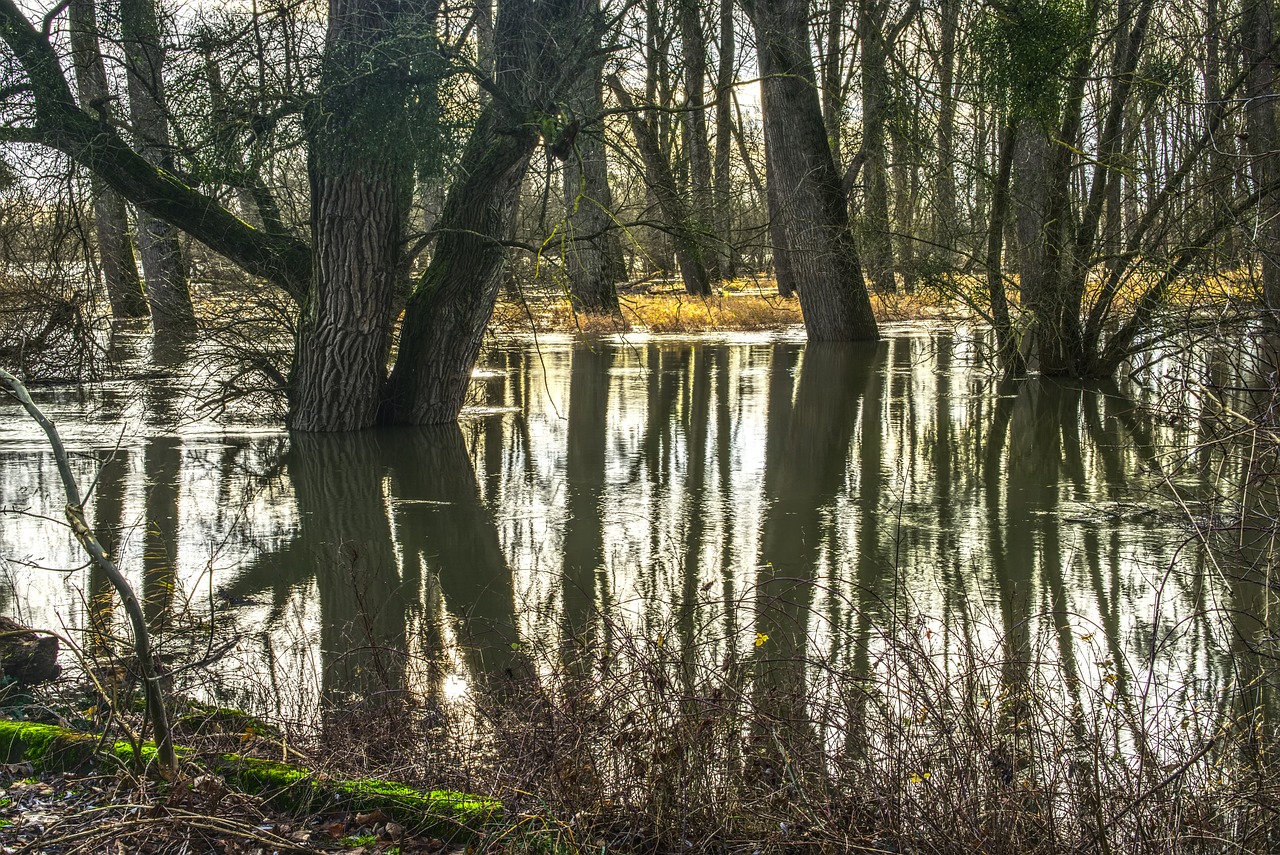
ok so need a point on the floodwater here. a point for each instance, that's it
(729, 496)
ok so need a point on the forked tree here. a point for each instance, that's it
(381, 59)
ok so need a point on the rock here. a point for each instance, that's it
(27, 656)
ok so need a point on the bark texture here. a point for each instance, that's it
(593, 255)
(446, 316)
(813, 210)
(445, 319)
(361, 181)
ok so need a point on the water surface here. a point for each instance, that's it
(741, 497)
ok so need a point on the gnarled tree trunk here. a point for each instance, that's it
(361, 181)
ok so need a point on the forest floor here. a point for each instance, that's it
(118, 814)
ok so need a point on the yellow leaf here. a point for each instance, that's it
(761, 638)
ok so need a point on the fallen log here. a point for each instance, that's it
(451, 816)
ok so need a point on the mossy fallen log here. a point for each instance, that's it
(441, 813)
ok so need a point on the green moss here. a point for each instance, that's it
(442, 813)
(206, 718)
(45, 746)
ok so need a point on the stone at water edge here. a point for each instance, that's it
(27, 656)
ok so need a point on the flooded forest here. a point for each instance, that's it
(677, 425)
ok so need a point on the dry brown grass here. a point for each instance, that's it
(742, 305)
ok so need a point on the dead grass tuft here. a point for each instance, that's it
(742, 305)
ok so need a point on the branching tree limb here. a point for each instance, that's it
(90, 544)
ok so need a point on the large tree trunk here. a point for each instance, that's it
(445, 320)
(361, 181)
(162, 262)
(813, 210)
(697, 145)
(1030, 182)
(110, 220)
(593, 256)
(878, 248)
(721, 177)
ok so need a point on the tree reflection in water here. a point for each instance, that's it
(758, 529)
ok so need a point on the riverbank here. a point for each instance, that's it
(662, 307)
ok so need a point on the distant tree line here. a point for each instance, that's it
(1062, 165)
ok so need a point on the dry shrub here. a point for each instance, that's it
(906, 735)
(50, 323)
(47, 331)
(651, 751)
(248, 328)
